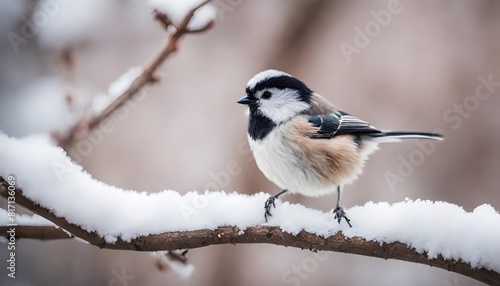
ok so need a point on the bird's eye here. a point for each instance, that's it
(266, 95)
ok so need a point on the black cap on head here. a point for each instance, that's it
(280, 80)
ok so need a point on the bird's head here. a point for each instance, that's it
(276, 95)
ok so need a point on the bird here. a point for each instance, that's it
(306, 145)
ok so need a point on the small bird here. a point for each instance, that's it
(303, 143)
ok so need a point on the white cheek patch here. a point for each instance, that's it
(283, 105)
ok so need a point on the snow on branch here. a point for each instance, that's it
(137, 78)
(257, 234)
(44, 180)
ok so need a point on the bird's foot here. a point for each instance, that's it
(267, 206)
(339, 214)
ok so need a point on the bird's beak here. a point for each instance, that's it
(246, 100)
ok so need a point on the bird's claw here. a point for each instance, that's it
(267, 206)
(339, 214)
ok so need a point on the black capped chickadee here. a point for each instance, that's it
(303, 143)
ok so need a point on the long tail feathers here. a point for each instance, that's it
(395, 136)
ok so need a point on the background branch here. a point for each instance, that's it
(85, 125)
(258, 234)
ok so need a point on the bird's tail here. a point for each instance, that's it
(395, 136)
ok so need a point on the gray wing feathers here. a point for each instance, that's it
(338, 123)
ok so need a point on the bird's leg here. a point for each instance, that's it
(269, 203)
(339, 211)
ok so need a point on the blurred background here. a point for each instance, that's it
(417, 65)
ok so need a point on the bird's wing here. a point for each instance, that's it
(337, 123)
(320, 106)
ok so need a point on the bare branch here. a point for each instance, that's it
(258, 234)
(85, 125)
(36, 232)
(183, 27)
(163, 19)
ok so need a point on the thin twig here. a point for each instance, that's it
(259, 234)
(85, 125)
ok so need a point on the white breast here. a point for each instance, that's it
(285, 166)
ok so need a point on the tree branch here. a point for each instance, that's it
(257, 234)
(85, 125)
(36, 232)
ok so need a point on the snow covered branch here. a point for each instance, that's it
(173, 240)
(43, 179)
(146, 75)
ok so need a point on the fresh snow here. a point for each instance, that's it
(115, 89)
(177, 10)
(45, 101)
(48, 177)
(124, 81)
(60, 25)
